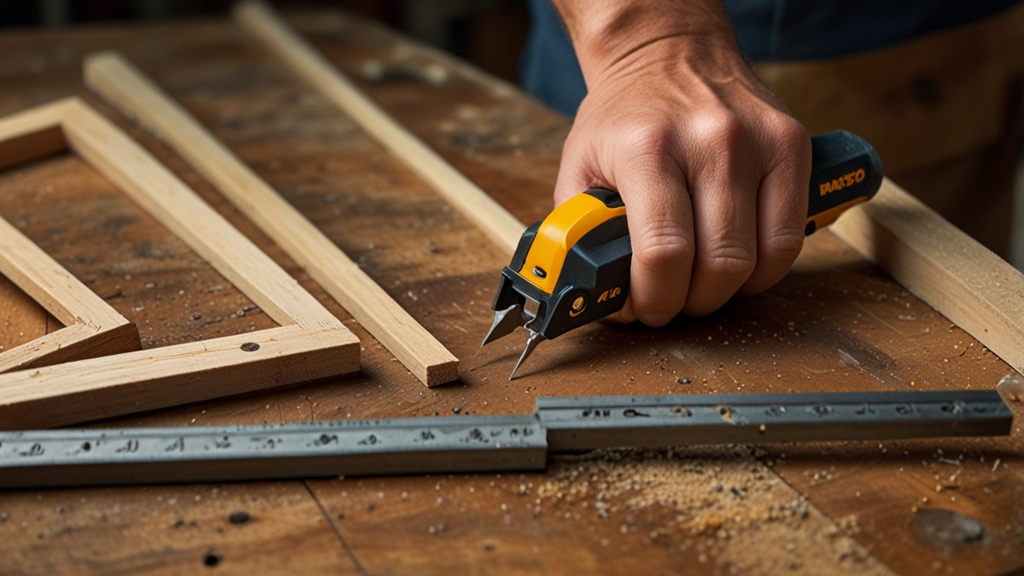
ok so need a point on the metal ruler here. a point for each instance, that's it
(36, 458)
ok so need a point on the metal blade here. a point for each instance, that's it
(505, 321)
(535, 339)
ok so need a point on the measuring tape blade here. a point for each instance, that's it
(586, 423)
(38, 458)
(348, 447)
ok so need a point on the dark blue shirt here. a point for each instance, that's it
(767, 30)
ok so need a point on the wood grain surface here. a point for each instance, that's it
(835, 323)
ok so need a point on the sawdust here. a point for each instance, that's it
(720, 503)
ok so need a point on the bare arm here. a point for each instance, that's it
(713, 170)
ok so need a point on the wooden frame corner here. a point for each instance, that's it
(91, 326)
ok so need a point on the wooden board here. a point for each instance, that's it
(956, 275)
(711, 510)
(311, 342)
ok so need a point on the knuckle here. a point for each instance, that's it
(790, 136)
(664, 247)
(649, 140)
(730, 260)
(784, 245)
(723, 129)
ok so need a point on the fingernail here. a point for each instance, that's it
(655, 320)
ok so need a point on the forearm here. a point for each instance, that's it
(608, 35)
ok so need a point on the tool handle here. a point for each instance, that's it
(576, 263)
(845, 171)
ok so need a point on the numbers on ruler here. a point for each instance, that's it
(326, 439)
(177, 446)
(36, 450)
(865, 410)
(819, 410)
(131, 446)
(268, 443)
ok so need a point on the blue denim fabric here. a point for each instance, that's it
(776, 30)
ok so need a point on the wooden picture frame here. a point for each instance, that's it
(310, 342)
(126, 88)
(91, 326)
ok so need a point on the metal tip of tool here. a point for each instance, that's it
(505, 321)
(535, 339)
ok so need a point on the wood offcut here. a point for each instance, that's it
(127, 88)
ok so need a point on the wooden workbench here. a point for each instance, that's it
(835, 323)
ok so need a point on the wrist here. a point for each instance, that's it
(619, 35)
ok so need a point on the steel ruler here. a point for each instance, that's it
(66, 457)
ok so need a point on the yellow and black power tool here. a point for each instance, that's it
(572, 268)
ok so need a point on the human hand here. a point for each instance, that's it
(712, 169)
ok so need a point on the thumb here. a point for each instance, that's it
(577, 171)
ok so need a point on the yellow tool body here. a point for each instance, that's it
(559, 232)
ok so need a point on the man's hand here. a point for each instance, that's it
(713, 170)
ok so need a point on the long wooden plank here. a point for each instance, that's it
(500, 226)
(124, 86)
(943, 266)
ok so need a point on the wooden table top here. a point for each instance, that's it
(835, 323)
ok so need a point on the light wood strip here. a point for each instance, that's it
(175, 205)
(963, 280)
(49, 284)
(125, 87)
(75, 342)
(148, 379)
(490, 217)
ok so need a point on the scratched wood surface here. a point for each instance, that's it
(835, 323)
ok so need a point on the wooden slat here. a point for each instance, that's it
(158, 191)
(123, 85)
(75, 342)
(946, 268)
(191, 372)
(500, 226)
